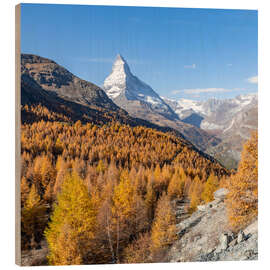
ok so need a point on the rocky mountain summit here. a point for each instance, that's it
(141, 101)
(205, 236)
(127, 90)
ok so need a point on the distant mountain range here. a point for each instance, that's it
(214, 114)
(45, 83)
(231, 120)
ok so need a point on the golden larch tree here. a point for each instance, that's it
(242, 199)
(195, 193)
(163, 231)
(209, 188)
(33, 219)
(129, 213)
(74, 217)
(138, 251)
(176, 185)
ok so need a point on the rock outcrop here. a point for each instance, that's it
(206, 236)
(243, 246)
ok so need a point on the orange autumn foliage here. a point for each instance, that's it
(242, 199)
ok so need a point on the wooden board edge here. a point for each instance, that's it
(17, 134)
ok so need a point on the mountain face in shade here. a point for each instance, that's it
(140, 100)
(53, 77)
(125, 88)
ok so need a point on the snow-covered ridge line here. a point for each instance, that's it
(211, 105)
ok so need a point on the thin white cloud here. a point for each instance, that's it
(229, 65)
(253, 79)
(206, 90)
(193, 66)
(198, 91)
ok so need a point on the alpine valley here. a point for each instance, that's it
(49, 92)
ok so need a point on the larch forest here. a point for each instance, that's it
(105, 193)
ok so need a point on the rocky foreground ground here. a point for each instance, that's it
(205, 236)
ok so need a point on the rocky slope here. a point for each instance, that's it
(205, 236)
(231, 120)
(53, 77)
(233, 137)
(141, 101)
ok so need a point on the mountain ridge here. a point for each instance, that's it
(211, 108)
(55, 78)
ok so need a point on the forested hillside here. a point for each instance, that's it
(100, 192)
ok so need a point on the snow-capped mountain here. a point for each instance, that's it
(123, 87)
(141, 101)
(215, 114)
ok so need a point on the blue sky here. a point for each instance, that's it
(180, 53)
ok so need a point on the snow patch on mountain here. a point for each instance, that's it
(121, 82)
(186, 104)
(210, 126)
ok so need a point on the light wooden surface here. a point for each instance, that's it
(18, 134)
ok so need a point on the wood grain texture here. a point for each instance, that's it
(17, 135)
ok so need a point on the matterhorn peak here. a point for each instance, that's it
(121, 82)
(130, 93)
(120, 66)
(119, 60)
(119, 57)
(115, 83)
